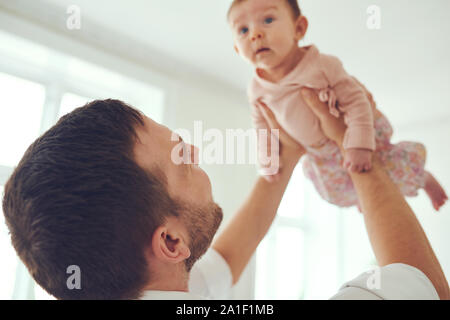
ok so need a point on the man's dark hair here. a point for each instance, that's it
(78, 197)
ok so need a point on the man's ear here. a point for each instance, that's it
(169, 245)
(301, 26)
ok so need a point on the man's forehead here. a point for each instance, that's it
(154, 142)
(157, 131)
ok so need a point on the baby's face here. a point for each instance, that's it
(264, 32)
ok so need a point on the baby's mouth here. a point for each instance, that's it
(261, 50)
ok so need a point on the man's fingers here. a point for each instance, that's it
(269, 116)
(273, 124)
(312, 99)
(334, 128)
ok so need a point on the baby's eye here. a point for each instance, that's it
(268, 20)
(243, 30)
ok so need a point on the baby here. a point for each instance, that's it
(266, 33)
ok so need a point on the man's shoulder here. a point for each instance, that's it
(211, 276)
(169, 295)
(392, 282)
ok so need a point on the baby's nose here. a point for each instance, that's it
(257, 35)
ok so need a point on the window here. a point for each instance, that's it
(70, 101)
(20, 121)
(20, 114)
(280, 264)
(308, 253)
(37, 89)
(9, 259)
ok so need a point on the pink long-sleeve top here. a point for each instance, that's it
(334, 85)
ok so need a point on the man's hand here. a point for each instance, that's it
(355, 159)
(290, 150)
(334, 128)
(358, 160)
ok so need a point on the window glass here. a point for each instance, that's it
(152, 105)
(292, 205)
(101, 83)
(20, 117)
(280, 265)
(9, 259)
(312, 248)
(71, 101)
(41, 294)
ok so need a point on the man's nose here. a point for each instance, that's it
(193, 152)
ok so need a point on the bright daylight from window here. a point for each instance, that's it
(20, 116)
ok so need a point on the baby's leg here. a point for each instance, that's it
(405, 163)
(435, 191)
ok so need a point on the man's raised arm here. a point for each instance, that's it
(238, 242)
(393, 229)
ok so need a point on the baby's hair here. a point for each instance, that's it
(293, 4)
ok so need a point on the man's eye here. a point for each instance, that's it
(243, 30)
(268, 20)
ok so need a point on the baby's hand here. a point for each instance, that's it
(358, 160)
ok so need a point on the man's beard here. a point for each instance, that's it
(202, 224)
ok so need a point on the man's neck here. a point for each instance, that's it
(277, 73)
(169, 280)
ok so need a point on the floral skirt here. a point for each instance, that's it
(403, 161)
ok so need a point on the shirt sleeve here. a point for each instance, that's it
(392, 282)
(353, 102)
(211, 277)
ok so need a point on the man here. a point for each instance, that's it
(100, 190)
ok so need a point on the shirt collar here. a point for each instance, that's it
(169, 295)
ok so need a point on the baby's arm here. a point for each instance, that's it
(359, 139)
(358, 160)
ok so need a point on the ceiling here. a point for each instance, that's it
(405, 63)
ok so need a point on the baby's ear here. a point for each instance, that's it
(236, 49)
(301, 26)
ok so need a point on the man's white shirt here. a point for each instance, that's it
(393, 282)
(211, 278)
